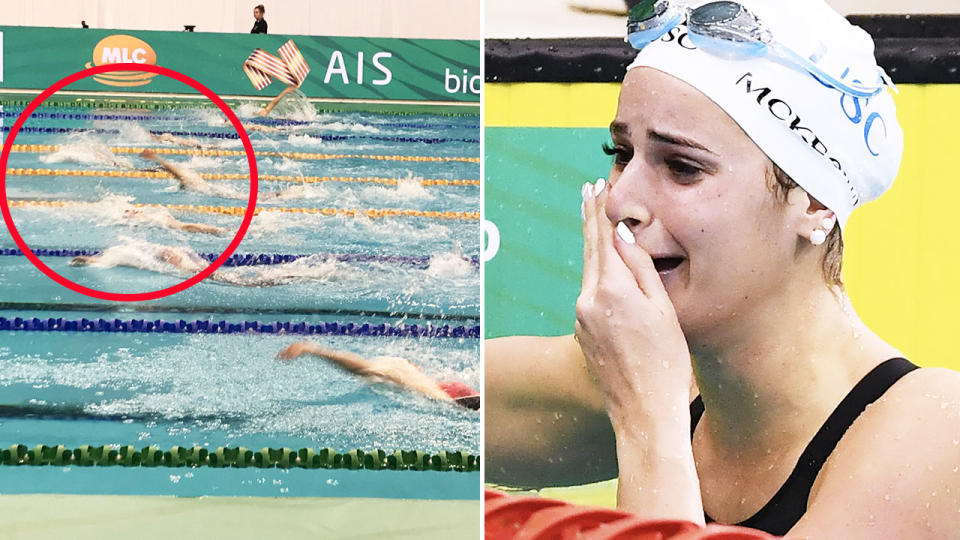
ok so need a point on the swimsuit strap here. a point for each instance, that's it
(789, 504)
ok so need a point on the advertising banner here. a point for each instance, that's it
(240, 64)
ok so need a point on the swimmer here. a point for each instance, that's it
(391, 369)
(191, 181)
(167, 259)
(166, 220)
(180, 258)
(266, 110)
(717, 367)
(181, 141)
(261, 128)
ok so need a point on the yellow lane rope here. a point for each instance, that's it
(232, 176)
(223, 153)
(239, 210)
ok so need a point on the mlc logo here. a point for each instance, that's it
(120, 48)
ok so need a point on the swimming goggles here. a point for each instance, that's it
(730, 30)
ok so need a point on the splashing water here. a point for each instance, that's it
(85, 148)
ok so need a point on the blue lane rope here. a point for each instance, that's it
(262, 121)
(216, 135)
(161, 326)
(256, 259)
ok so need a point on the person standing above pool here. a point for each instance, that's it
(718, 368)
(260, 26)
(392, 369)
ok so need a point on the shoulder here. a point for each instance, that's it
(898, 466)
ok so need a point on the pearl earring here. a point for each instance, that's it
(818, 236)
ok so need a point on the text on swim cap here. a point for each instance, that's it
(781, 110)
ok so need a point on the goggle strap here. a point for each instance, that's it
(852, 88)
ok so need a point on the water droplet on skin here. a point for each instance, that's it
(601, 363)
(666, 364)
(557, 415)
(886, 497)
(608, 313)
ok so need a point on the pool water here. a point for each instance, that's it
(192, 389)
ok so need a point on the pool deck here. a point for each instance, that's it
(37, 517)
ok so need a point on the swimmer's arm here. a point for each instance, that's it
(545, 419)
(266, 110)
(172, 168)
(349, 361)
(896, 472)
(199, 228)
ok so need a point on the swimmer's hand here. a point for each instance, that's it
(295, 350)
(262, 112)
(148, 154)
(81, 260)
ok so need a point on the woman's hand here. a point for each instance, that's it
(626, 324)
(629, 334)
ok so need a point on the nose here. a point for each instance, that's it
(629, 197)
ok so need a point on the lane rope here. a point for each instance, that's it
(236, 176)
(257, 259)
(238, 457)
(259, 120)
(240, 210)
(234, 136)
(161, 326)
(44, 148)
(174, 104)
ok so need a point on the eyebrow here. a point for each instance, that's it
(678, 140)
(623, 130)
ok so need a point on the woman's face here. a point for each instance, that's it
(257, 14)
(693, 189)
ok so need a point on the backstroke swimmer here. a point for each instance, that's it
(391, 369)
(718, 369)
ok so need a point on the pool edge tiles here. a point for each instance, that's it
(92, 516)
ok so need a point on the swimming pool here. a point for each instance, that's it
(387, 237)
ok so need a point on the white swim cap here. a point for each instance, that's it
(844, 151)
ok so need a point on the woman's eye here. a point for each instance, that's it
(683, 170)
(622, 155)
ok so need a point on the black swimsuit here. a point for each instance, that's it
(789, 504)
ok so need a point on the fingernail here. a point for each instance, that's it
(598, 187)
(586, 191)
(625, 233)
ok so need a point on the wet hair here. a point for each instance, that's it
(832, 261)
(261, 8)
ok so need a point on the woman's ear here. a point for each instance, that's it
(814, 221)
